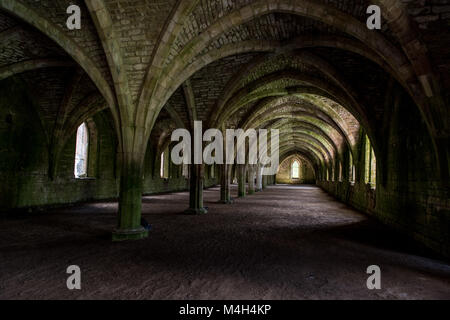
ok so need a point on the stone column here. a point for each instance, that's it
(196, 190)
(196, 180)
(264, 182)
(130, 199)
(241, 180)
(251, 179)
(258, 178)
(225, 194)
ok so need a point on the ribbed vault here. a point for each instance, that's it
(311, 69)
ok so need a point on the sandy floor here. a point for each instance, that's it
(283, 243)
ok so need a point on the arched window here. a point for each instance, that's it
(352, 169)
(81, 152)
(295, 170)
(162, 165)
(370, 164)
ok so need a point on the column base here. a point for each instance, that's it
(226, 201)
(129, 234)
(191, 211)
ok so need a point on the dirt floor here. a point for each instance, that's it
(283, 243)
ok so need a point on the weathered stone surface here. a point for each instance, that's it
(308, 68)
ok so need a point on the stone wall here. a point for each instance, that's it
(24, 159)
(24, 164)
(284, 174)
(410, 195)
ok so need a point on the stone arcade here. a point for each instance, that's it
(86, 119)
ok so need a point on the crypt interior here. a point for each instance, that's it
(87, 115)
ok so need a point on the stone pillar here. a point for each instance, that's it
(241, 180)
(196, 180)
(264, 182)
(130, 199)
(225, 193)
(258, 178)
(196, 190)
(251, 179)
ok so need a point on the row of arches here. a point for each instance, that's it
(337, 95)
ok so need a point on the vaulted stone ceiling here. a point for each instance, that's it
(309, 68)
